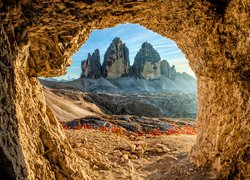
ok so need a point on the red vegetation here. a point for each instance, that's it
(64, 125)
(184, 129)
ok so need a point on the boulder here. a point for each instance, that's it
(91, 68)
(147, 62)
(116, 60)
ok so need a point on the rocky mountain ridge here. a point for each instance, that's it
(91, 68)
(147, 63)
(183, 83)
(116, 62)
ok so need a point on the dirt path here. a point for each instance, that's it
(114, 156)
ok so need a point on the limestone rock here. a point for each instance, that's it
(147, 62)
(162, 148)
(91, 68)
(101, 165)
(167, 70)
(158, 150)
(38, 39)
(116, 60)
(132, 147)
(148, 105)
(132, 156)
(186, 76)
(117, 153)
(172, 73)
(125, 156)
(125, 152)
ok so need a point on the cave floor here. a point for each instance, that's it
(116, 156)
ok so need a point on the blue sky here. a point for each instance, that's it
(133, 35)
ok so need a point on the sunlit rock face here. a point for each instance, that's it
(38, 39)
(91, 68)
(151, 70)
(116, 60)
(147, 62)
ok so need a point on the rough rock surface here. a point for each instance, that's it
(148, 156)
(116, 62)
(129, 85)
(149, 105)
(172, 72)
(147, 62)
(91, 68)
(168, 71)
(38, 39)
(165, 68)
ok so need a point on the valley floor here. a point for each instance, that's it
(114, 156)
(124, 147)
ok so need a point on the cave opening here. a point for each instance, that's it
(38, 39)
(127, 82)
(128, 70)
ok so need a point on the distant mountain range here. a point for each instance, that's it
(58, 80)
(115, 75)
(150, 87)
(116, 64)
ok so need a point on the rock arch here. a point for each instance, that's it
(38, 37)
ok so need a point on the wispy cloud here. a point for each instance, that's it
(173, 52)
(165, 46)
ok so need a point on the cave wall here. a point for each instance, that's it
(223, 120)
(37, 38)
(9, 141)
(32, 144)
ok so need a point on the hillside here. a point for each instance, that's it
(68, 106)
(154, 98)
(127, 85)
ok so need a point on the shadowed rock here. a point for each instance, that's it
(91, 68)
(172, 72)
(116, 60)
(167, 70)
(147, 62)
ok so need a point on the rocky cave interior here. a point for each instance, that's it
(37, 38)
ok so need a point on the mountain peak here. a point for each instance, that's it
(91, 67)
(147, 62)
(116, 60)
(116, 39)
